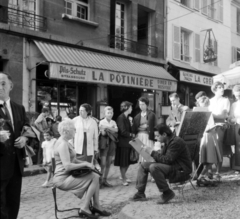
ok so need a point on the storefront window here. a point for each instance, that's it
(67, 101)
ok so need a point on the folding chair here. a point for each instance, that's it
(181, 185)
(54, 191)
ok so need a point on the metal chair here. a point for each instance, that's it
(54, 191)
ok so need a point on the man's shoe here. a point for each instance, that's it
(106, 184)
(166, 197)
(139, 197)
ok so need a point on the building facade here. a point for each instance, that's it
(199, 44)
(63, 53)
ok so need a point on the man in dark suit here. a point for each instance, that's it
(173, 162)
(12, 152)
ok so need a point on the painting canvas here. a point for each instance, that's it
(193, 123)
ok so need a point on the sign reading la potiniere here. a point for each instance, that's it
(82, 74)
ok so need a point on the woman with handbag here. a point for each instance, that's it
(66, 161)
(235, 119)
(122, 158)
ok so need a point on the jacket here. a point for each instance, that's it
(124, 131)
(92, 135)
(110, 139)
(8, 153)
(178, 157)
(152, 122)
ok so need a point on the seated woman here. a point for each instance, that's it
(65, 158)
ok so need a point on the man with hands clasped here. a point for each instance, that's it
(12, 151)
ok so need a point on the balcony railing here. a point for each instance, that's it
(121, 43)
(23, 19)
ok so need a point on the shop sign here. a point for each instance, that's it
(76, 73)
(195, 78)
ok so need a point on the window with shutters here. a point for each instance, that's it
(185, 46)
(212, 9)
(197, 4)
(77, 8)
(238, 20)
(187, 3)
(204, 7)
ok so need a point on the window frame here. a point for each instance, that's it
(74, 8)
(185, 53)
(238, 21)
(188, 5)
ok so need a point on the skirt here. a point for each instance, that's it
(122, 157)
(78, 186)
(209, 149)
(144, 138)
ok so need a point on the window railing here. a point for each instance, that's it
(23, 19)
(124, 44)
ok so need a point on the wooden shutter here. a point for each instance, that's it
(220, 10)
(176, 42)
(205, 7)
(234, 54)
(197, 48)
(238, 20)
(216, 52)
(196, 4)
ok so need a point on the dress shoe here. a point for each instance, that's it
(166, 197)
(139, 197)
(84, 214)
(106, 184)
(102, 213)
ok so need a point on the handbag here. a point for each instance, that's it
(83, 172)
(134, 156)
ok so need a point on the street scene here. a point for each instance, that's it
(119, 109)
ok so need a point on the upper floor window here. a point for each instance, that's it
(120, 19)
(185, 45)
(238, 20)
(235, 54)
(77, 8)
(213, 9)
(187, 3)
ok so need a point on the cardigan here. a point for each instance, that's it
(151, 121)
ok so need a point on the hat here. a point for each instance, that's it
(236, 88)
(200, 94)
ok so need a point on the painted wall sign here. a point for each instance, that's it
(195, 78)
(76, 73)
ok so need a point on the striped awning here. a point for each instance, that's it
(62, 55)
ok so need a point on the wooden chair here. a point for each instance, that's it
(54, 191)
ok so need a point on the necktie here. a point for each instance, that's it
(7, 113)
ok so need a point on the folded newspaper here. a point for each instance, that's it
(139, 147)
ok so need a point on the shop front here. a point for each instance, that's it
(70, 77)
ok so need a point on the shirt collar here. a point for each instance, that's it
(7, 102)
(143, 113)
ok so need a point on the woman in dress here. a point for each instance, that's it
(144, 123)
(220, 107)
(86, 137)
(122, 158)
(65, 159)
(235, 119)
(209, 152)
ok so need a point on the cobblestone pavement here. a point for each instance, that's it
(220, 202)
(37, 202)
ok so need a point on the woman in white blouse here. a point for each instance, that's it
(235, 118)
(220, 107)
(86, 137)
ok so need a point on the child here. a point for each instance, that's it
(107, 143)
(47, 147)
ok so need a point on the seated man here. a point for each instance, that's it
(173, 162)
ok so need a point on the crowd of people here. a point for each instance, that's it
(84, 141)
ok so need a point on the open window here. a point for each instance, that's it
(77, 8)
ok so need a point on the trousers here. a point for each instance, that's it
(158, 171)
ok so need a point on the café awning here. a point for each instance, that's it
(230, 77)
(74, 64)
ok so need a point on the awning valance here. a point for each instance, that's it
(74, 64)
(230, 77)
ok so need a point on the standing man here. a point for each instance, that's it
(176, 112)
(12, 151)
(173, 162)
